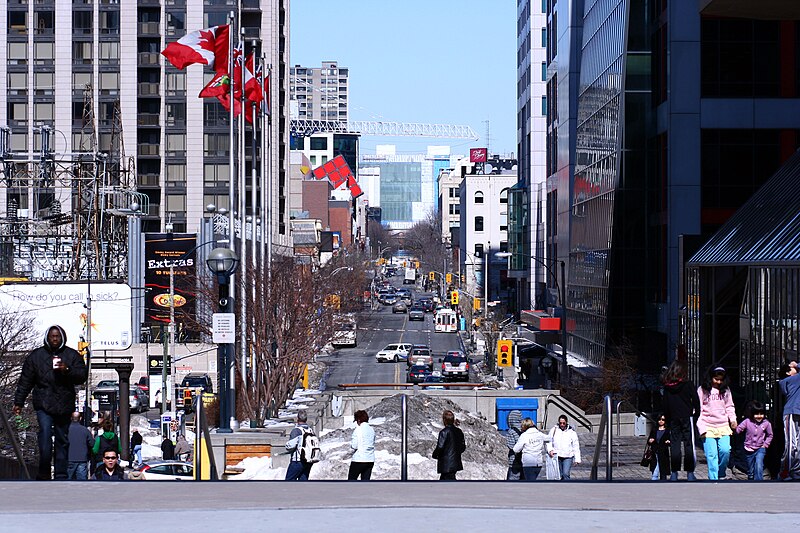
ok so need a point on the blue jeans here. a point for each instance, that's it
(531, 472)
(656, 473)
(298, 471)
(565, 465)
(755, 464)
(78, 470)
(137, 450)
(51, 426)
(718, 451)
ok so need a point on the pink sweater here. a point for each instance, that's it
(716, 410)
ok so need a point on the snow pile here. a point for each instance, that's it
(486, 456)
(151, 438)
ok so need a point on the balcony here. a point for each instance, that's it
(149, 150)
(149, 89)
(148, 28)
(148, 119)
(148, 180)
(149, 59)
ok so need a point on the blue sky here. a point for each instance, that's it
(434, 61)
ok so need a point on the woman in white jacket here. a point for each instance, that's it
(363, 442)
(531, 444)
(564, 443)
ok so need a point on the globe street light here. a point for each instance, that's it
(222, 262)
(561, 288)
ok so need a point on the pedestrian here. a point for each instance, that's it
(531, 444)
(109, 470)
(80, 449)
(681, 407)
(565, 445)
(758, 437)
(183, 449)
(107, 440)
(449, 447)
(51, 372)
(659, 445)
(136, 447)
(790, 387)
(514, 421)
(167, 449)
(363, 444)
(298, 470)
(717, 421)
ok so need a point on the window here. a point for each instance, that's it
(82, 22)
(109, 52)
(504, 246)
(80, 80)
(544, 71)
(43, 111)
(313, 160)
(504, 196)
(109, 82)
(219, 200)
(319, 143)
(455, 192)
(18, 111)
(176, 81)
(544, 106)
(17, 82)
(479, 197)
(503, 228)
(215, 19)
(478, 223)
(176, 202)
(176, 143)
(82, 52)
(215, 144)
(109, 22)
(43, 53)
(176, 114)
(176, 173)
(455, 209)
(43, 83)
(544, 37)
(18, 53)
(18, 22)
(216, 176)
(479, 250)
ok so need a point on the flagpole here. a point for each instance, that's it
(253, 213)
(266, 174)
(242, 214)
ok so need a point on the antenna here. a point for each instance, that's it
(488, 138)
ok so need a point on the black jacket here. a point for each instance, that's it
(448, 450)
(136, 439)
(53, 392)
(660, 452)
(167, 449)
(680, 401)
(101, 475)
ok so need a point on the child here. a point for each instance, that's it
(758, 436)
(681, 407)
(717, 421)
(659, 443)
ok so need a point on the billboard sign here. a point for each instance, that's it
(160, 251)
(478, 155)
(46, 304)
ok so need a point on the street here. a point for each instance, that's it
(376, 329)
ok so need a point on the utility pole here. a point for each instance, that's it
(171, 390)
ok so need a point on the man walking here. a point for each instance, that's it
(298, 470)
(80, 449)
(449, 448)
(790, 387)
(51, 372)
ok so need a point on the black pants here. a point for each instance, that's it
(682, 431)
(360, 469)
(448, 476)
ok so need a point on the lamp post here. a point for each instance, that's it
(222, 263)
(562, 297)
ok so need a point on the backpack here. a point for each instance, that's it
(106, 445)
(309, 447)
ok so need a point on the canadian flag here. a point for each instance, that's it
(207, 47)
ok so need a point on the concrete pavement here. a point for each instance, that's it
(396, 506)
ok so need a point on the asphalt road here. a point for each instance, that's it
(376, 329)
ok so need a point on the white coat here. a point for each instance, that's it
(565, 443)
(531, 444)
(363, 442)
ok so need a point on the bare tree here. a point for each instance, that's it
(424, 240)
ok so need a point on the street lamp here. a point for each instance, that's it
(561, 288)
(222, 262)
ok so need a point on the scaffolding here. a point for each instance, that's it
(67, 212)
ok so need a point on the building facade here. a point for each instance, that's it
(320, 93)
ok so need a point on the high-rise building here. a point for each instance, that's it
(320, 93)
(64, 61)
(667, 116)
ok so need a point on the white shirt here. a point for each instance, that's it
(363, 442)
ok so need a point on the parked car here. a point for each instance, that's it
(393, 353)
(420, 356)
(416, 313)
(455, 366)
(144, 384)
(106, 393)
(399, 307)
(167, 471)
(418, 373)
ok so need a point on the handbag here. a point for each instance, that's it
(552, 468)
(647, 456)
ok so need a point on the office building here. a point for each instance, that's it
(320, 93)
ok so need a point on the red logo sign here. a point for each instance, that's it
(478, 155)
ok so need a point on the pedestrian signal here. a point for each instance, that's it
(432, 276)
(504, 353)
(448, 278)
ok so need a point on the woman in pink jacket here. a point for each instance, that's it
(717, 421)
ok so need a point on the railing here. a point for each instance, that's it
(605, 424)
(562, 403)
(345, 386)
(12, 436)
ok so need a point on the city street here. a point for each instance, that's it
(376, 329)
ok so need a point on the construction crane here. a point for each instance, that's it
(304, 128)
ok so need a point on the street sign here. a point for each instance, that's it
(155, 364)
(224, 328)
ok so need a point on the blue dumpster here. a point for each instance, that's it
(503, 406)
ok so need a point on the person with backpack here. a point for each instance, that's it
(303, 444)
(512, 436)
(107, 440)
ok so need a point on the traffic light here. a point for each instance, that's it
(416, 264)
(187, 398)
(476, 304)
(83, 348)
(463, 278)
(404, 264)
(448, 278)
(454, 297)
(432, 276)
(504, 353)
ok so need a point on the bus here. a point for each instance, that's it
(446, 321)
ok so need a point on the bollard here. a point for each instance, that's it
(404, 440)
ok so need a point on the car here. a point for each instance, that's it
(144, 383)
(393, 353)
(416, 313)
(166, 471)
(436, 381)
(107, 390)
(427, 304)
(420, 356)
(418, 373)
(399, 307)
(387, 298)
(455, 366)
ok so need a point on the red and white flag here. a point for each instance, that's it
(207, 47)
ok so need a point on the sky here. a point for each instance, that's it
(432, 61)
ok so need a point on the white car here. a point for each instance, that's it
(393, 353)
(167, 471)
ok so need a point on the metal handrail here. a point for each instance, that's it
(557, 399)
(605, 424)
